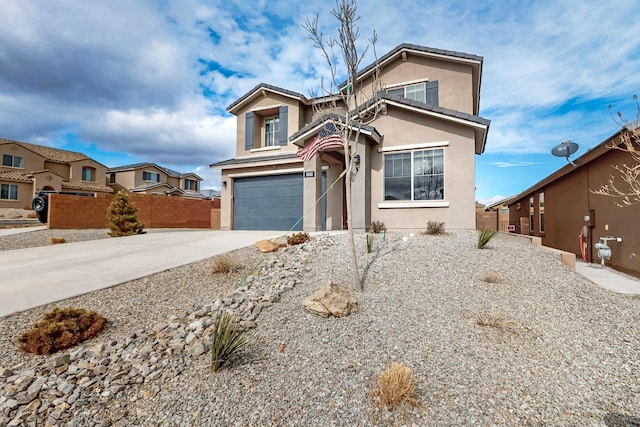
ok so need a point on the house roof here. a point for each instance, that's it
(253, 159)
(266, 87)
(315, 126)
(15, 176)
(86, 186)
(49, 153)
(583, 160)
(136, 166)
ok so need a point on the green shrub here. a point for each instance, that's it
(298, 238)
(369, 243)
(485, 235)
(122, 217)
(434, 228)
(377, 227)
(60, 329)
(227, 339)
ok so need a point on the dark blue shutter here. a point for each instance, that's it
(248, 131)
(432, 93)
(282, 138)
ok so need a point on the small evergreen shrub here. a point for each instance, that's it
(227, 339)
(484, 236)
(377, 227)
(225, 263)
(60, 329)
(434, 228)
(122, 217)
(395, 386)
(369, 243)
(298, 238)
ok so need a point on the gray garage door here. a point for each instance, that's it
(271, 202)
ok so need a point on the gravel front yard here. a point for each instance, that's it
(565, 353)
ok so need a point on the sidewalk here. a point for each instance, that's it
(36, 276)
(608, 278)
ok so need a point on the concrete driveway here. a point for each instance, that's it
(36, 276)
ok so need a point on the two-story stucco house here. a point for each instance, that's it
(27, 169)
(150, 178)
(416, 157)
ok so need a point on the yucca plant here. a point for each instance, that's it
(485, 235)
(227, 339)
(369, 243)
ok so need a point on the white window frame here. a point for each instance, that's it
(408, 86)
(195, 184)
(92, 171)
(271, 135)
(151, 174)
(9, 187)
(14, 164)
(413, 203)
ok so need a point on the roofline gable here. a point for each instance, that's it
(261, 89)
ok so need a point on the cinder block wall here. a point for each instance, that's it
(77, 212)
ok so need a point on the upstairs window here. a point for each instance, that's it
(12, 161)
(112, 178)
(426, 92)
(88, 173)
(541, 211)
(418, 175)
(271, 131)
(9, 192)
(191, 185)
(151, 176)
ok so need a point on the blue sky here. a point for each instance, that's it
(127, 81)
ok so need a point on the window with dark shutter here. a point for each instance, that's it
(248, 131)
(432, 93)
(282, 139)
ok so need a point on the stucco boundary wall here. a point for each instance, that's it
(81, 212)
(567, 258)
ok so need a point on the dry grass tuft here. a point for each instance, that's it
(492, 277)
(56, 240)
(496, 318)
(225, 263)
(395, 386)
(435, 228)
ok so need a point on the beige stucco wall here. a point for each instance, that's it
(138, 180)
(268, 105)
(61, 169)
(455, 80)
(25, 195)
(76, 170)
(459, 168)
(31, 160)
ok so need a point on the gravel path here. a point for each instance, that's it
(568, 352)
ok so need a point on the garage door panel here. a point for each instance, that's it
(271, 202)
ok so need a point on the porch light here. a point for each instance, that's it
(357, 161)
(224, 184)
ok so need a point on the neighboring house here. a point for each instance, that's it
(149, 178)
(27, 169)
(563, 206)
(417, 157)
(494, 216)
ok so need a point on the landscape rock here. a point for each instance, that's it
(331, 300)
(269, 245)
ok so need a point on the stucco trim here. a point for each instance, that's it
(265, 173)
(259, 150)
(414, 146)
(414, 204)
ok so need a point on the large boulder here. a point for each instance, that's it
(269, 245)
(331, 300)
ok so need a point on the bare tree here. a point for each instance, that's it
(629, 193)
(349, 94)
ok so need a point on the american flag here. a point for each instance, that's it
(327, 137)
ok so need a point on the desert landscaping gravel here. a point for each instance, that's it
(565, 353)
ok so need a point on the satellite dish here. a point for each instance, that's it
(565, 149)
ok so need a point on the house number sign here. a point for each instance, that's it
(310, 174)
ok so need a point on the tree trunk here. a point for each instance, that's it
(352, 244)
